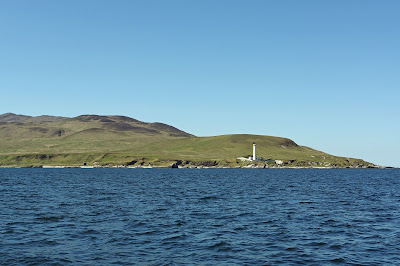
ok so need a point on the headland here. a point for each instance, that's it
(94, 141)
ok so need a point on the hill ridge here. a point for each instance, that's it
(45, 126)
(124, 140)
(17, 118)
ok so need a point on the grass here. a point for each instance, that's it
(123, 142)
(223, 149)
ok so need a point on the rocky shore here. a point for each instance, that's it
(182, 164)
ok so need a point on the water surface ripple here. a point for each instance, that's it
(191, 216)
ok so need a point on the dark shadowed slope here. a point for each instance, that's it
(124, 123)
(10, 117)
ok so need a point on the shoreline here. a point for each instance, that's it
(193, 167)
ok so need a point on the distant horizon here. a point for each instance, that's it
(324, 74)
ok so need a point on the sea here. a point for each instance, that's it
(199, 216)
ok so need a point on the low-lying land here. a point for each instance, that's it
(121, 160)
(117, 141)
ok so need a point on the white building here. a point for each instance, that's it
(251, 158)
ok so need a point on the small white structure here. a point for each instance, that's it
(251, 158)
(243, 159)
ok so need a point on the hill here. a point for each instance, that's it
(85, 133)
(119, 140)
(224, 150)
(10, 117)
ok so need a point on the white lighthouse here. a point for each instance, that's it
(251, 158)
(254, 151)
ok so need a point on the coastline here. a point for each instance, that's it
(188, 167)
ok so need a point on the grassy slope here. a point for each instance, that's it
(121, 140)
(123, 149)
(87, 140)
(76, 136)
(229, 147)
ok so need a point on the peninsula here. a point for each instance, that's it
(120, 141)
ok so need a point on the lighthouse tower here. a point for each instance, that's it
(254, 151)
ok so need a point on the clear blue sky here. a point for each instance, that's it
(325, 74)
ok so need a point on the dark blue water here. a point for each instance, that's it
(183, 216)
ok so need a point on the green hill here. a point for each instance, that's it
(86, 133)
(118, 140)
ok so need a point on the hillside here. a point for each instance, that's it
(10, 117)
(225, 149)
(120, 140)
(86, 133)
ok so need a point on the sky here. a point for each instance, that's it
(325, 74)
